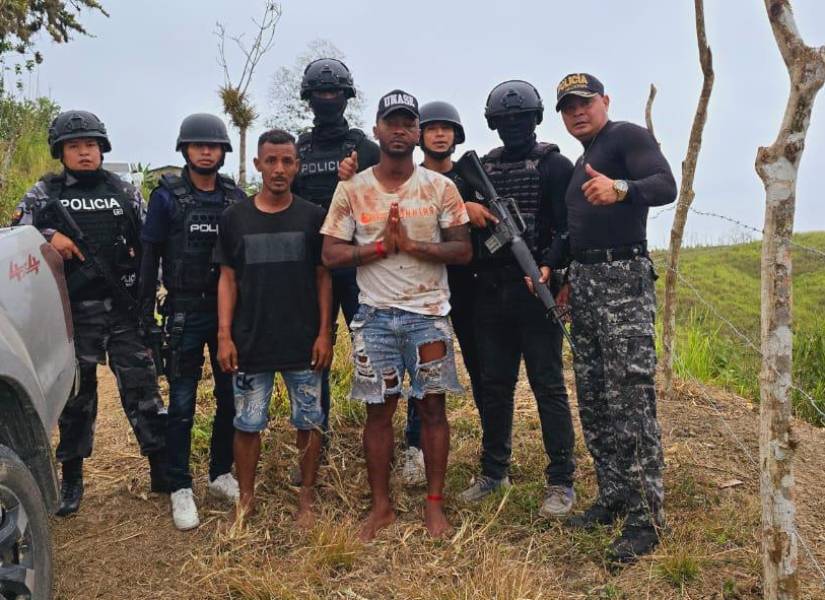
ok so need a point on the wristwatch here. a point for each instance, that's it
(621, 187)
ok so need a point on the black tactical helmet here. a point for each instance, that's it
(203, 128)
(445, 112)
(327, 74)
(76, 124)
(511, 97)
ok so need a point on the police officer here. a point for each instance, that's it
(109, 213)
(327, 86)
(621, 173)
(181, 230)
(510, 321)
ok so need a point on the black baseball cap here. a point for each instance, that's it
(578, 84)
(397, 100)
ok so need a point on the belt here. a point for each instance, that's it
(603, 255)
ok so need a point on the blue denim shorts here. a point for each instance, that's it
(253, 392)
(385, 345)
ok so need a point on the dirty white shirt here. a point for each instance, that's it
(428, 202)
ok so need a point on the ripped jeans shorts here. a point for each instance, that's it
(253, 391)
(385, 346)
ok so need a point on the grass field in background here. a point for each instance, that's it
(727, 279)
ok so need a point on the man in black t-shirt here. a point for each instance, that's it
(274, 314)
(621, 173)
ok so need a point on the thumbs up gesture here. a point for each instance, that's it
(598, 189)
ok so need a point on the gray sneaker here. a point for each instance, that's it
(482, 487)
(558, 501)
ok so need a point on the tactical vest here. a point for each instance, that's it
(107, 219)
(188, 268)
(319, 168)
(520, 180)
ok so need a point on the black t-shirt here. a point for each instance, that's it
(274, 256)
(626, 151)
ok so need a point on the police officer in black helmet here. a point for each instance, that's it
(327, 85)
(180, 233)
(510, 321)
(109, 212)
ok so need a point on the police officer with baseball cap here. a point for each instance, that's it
(109, 212)
(620, 175)
(180, 234)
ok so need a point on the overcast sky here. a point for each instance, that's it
(152, 63)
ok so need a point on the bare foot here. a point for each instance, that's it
(305, 518)
(245, 508)
(435, 520)
(376, 521)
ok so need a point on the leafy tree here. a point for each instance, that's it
(287, 110)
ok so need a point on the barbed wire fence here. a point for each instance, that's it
(713, 310)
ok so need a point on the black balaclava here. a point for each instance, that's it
(518, 132)
(328, 111)
(202, 170)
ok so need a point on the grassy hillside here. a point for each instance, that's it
(727, 279)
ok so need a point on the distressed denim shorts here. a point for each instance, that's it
(385, 346)
(253, 391)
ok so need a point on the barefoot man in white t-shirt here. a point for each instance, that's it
(400, 224)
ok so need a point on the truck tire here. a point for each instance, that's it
(25, 542)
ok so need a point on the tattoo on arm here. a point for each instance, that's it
(455, 249)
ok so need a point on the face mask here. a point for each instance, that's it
(328, 110)
(87, 177)
(518, 130)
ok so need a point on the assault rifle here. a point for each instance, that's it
(508, 232)
(92, 267)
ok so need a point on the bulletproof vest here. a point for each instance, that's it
(104, 213)
(520, 180)
(319, 168)
(188, 268)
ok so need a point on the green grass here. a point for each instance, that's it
(727, 279)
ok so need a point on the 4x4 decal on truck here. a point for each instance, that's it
(19, 270)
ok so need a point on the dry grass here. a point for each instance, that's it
(123, 545)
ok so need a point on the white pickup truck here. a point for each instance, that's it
(37, 377)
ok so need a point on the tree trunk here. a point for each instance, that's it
(649, 110)
(686, 195)
(777, 166)
(242, 159)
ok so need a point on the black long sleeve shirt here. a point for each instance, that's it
(626, 151)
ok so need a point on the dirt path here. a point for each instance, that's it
(122, 543)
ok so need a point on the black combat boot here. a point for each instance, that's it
(71, 488)
(635, 541)
(596, 515)
(158, 467)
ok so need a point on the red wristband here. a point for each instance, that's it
(379, 248)
(435, 498)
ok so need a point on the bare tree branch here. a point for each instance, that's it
(649, 110)
(233, 95)
(686, 195)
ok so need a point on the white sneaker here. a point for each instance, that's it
(184, 511)
(225, 487)
(413, 472)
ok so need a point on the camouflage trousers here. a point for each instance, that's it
(613, 309)
(100, 331)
